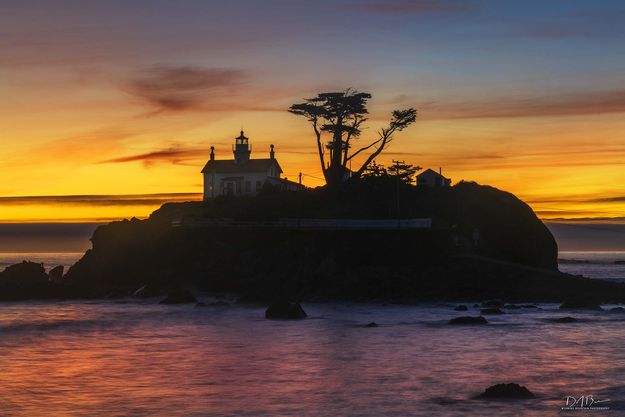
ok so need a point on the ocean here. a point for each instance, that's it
(139, 358)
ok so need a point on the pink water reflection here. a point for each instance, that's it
(77, 359)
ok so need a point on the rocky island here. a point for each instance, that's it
(483, 243)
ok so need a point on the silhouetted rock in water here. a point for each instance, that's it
(529, 306)
(493, 303)
(461, 308)
(476, 306)
(617, 309)
(372, 324)
(56, 274)
(24, 273)
(147, 291)
(581, 304)
(491, 311)
(566, 319)
(283, 309)
(506, 392)
(179, 297)
(29, 280)
(201, 304)
(468, 320)
(619, 262)
(512, 307)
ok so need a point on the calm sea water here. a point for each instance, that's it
(601, 265)
(130, 358)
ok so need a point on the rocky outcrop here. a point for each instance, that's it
(468, 320)
(486, 244)
(493, 303)
(28, 280)
(491, 311)
(56, 274)
(286, 310)
(566, 319)
(506, 392)
(581, 304)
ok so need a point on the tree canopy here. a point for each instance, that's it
(340, 115)
(400, 171)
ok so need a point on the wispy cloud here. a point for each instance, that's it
(174, 155)
(168, 88)
(579, 103)
(615, 199)
(415, 6)
(102, 200)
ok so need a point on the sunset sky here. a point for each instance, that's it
(108, 108)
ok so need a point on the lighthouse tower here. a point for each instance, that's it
(241, 149)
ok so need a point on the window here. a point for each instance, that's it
(238, 187)
(248, 187)
(259, 185)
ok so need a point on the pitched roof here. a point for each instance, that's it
(430, 171)
(231, 167)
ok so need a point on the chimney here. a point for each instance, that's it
(212, 153)
(272, 154)
(440, 171)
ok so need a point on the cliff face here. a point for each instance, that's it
(508, 229)
(261, 263)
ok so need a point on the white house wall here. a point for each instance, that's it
(217, 179)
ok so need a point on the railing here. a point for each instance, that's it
(312, 224)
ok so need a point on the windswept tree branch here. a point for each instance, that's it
(400, 120)
(364, 149)
(353, 131)
(319, 147)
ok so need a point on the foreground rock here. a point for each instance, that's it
(581, 304)
(493, 303)
(24, 274)
(286, 310)
(372, 324)
(179, 297)
(567, 319)
(506, 392)
(56, 274)
(27, 280)
(468, 320)
(491, 311)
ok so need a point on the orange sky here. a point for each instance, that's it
(122, 103)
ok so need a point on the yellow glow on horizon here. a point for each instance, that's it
(563, 166)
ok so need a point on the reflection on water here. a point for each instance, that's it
(107, 358)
